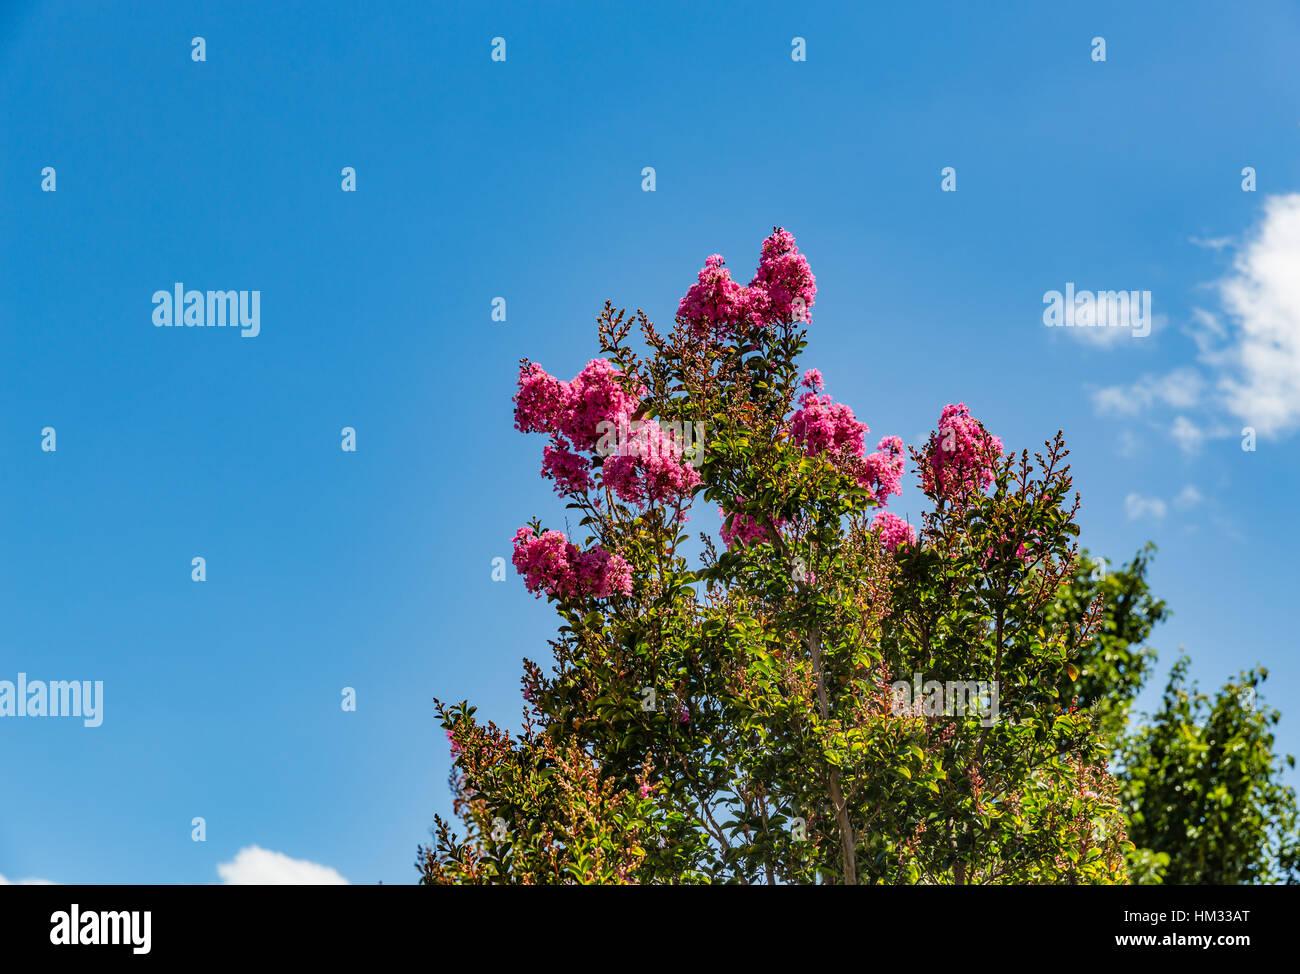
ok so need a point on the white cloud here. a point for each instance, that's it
(24, 882)
(1180, 389)
(1136, 506)
(1188, 498)
(1111, 336)
(1208, 332)
(1187, 434)
(1101, 337)
(1210, 243)
(1248, 352)
(255, 866)
(1262, 298)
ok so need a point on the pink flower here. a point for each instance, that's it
(1022, 552)
(601, 574)
(549, 563)
(716, 299)
(646, 789)
(595, 396)
(543, 559)
(823, 426)
(744, 530)
(883, 470)
(783, 289)
(960, 456)
(570, 471)
(893, 530)
(785, 278)
(650, 466)
(579, 415)
(540, 400)
(684, 716)
(455, 748)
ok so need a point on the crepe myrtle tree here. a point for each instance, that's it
(740, 710)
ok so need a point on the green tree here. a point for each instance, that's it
(1113, 665)
(747, 714)
(1201, 784)
(1202, 788)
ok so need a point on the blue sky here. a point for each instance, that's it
(522, 179)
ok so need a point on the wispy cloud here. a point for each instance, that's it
(1188, 498)
(1180, 389)
(1130, 444)
(1187, 434)
(1107, 337)
(1137, 507)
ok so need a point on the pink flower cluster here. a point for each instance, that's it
(893, 530)
(540, 401)
(595, 396)
(821, 425)
(960, 456)
(715, 297)
(744, 530)
(579, 415)
(549, 563)
(571, 411)
(882, 472)
(570, 471)
(783, 289)
(784, 274)
(650, 467)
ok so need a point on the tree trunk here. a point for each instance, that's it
(848, 843)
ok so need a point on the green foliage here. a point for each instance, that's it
(1024, 799)
(1201, 783)
(1115, 663)
(734, 719)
